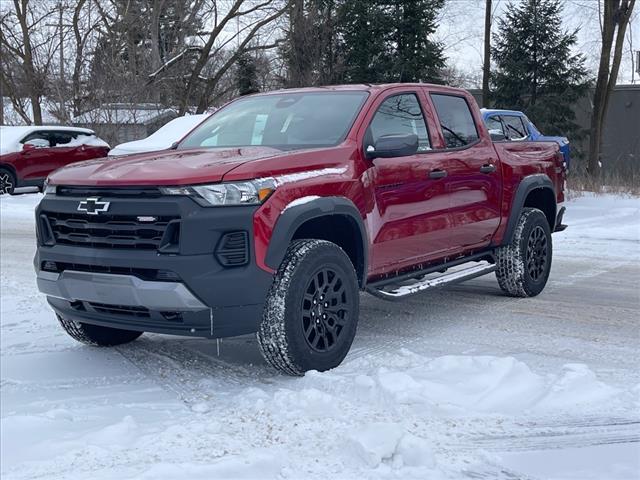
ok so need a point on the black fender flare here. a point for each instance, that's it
(527, 185)
(293, 217)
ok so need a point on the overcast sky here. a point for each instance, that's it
(462, 24)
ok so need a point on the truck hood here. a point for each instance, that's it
(173, 167)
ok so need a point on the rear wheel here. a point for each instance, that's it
(96, 335)
(523, 266)
(311, 312)
(7, 182)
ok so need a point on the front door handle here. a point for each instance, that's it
(437, 173)
(488, 168)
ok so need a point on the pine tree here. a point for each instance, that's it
(247, 75)
(389, 41)
(365, 31)
(535, 69)
(417, 58)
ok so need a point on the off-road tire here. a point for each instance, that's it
(7, 182)
(523, 266)
(95, 335)
(287, 334)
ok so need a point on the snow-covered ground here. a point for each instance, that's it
(457, 383)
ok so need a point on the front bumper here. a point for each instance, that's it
(105, 286)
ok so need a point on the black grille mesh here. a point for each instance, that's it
(108, 231)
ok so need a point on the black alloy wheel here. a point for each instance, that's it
(537, 253)
(325, 309)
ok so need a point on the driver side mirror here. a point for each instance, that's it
(394, 145)
(497, 135)
(34, 143)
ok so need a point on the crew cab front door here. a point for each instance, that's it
(410, 219)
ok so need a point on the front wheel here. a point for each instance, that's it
(311, 312)
(96, 335)
(7, 182)
(523, 266)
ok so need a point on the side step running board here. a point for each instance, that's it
(420, 284)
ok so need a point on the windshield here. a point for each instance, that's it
(285, 121)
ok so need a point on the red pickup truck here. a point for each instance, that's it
(274, 213)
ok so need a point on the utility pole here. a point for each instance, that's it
(486, 68)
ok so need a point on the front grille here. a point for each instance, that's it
(112, 231)
(115, 192)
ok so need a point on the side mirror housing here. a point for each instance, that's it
(497, 135)
(35, 143)
(394, 145)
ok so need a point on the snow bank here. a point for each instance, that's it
(389, 443)
(468, 385)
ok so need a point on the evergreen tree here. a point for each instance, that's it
(389, 41)
(417, 58)
(535, 69)
(247, 75)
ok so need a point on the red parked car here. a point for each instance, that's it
(29, 154)
(273, 214)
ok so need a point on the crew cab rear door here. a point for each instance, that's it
(473, 182)
(410, 220)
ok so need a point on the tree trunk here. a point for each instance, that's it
(486, 68)
(616, 13)
(29, 70)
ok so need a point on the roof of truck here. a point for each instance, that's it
(368, 87)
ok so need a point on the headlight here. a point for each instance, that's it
(47, 188)
(252, 192)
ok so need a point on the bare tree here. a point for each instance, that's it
(614, 25)
(25, 38)
(250, 20)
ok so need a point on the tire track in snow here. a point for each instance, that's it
(192, 376)
(556, 433)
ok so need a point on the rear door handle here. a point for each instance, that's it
(488, 168)
(437, 173)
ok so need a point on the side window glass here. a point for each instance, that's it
(400, 114)
(41, 137)
(515, 127)
(494, 125)
(61, 139)
(456, 121)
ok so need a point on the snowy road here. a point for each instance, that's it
(458, 383)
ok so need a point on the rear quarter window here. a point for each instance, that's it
(456, 121)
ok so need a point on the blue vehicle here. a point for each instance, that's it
(516, 127)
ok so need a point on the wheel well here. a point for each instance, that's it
(341, 230)
(10, 169)
(543, 199)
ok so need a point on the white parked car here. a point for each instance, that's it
(162, 139)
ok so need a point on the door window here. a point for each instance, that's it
(456, 121)
(515, 128)
(61, 139)
(400, 114)
(36, 136)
